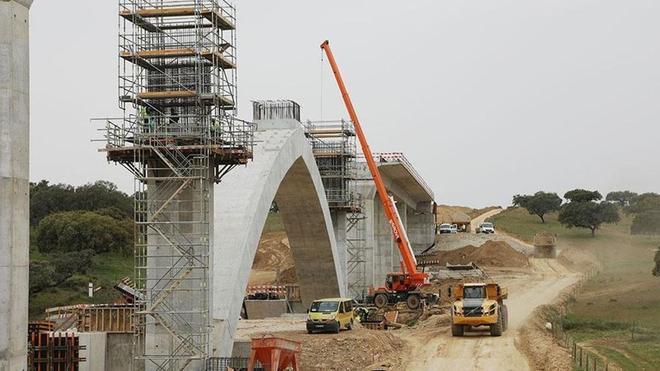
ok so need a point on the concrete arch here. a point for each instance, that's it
(284, 170)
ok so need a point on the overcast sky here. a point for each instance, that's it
(486, 98)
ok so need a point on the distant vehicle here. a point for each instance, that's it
(545, 245)
(454, 228)
(331, 314)
(444, 228)
(486, 228)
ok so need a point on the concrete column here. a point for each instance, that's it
(384, 244)
(185, 213)
(369, 240)
(396, 255)
(421, 226)
(339, 225)
(14, 183)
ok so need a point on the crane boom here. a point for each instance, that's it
(416, 278)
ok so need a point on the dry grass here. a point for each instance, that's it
(617, 310)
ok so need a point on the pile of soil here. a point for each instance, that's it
(349, 350)
(273, 253)
(287, 276)
(490, 254)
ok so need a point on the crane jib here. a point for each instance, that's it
(391, 212)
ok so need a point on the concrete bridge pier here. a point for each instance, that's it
(14, 182)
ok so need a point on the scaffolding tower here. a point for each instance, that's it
(334, 147)
(178, 135)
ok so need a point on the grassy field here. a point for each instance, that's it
(617, 312)
(106, 270)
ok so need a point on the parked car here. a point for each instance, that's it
(454, 228)
(444, 228)
(486, 228)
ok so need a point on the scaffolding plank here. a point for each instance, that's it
(211, 55)
(140, 21)
(221, 154)
(217, 19)
(170, 94)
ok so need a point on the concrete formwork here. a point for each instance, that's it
(14, 183)
(284, 170)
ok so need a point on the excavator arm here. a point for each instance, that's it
(415, 277)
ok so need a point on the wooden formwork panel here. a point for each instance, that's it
(106, 319)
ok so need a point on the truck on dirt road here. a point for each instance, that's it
(545, 245)
(479, 304)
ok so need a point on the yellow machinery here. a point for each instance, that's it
(479, 304)
(331, 314)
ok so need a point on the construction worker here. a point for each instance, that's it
(656, 271)
(215, 128)
(144, 118)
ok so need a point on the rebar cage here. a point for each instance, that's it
(179, 135)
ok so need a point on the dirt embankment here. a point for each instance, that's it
(273, 262)
(490, 254)
(358, 349)
(536, 341)
(273, 252)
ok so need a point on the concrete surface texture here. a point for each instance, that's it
(186, 302)
(284, 170)
(105, 351)
(95, 344)
(260, 309)
(14, 183)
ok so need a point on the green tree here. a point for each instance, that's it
(588, 214)
(538, 204)
(582, 195)
(622, 197)
(643, 203)
(84, 230)
(46, 199)
(520, 200)
(102, 194)
(647, 222)
(58, 268)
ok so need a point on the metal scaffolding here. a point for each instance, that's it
(356, 248)
(177, 88)
(334, 147)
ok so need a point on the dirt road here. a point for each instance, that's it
(436, 349)
(481, 218)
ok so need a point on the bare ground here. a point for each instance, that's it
(436, 349)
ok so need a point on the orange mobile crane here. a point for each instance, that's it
(399, 286)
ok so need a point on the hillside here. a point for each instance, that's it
(616, 311)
